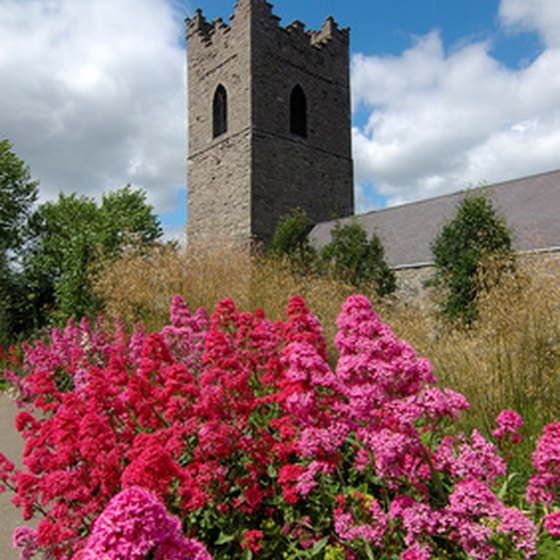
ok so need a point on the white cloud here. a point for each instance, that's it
(443, 120)
(93, 97)
(93, 94)
(542, 16)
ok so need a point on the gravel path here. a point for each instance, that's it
(11, 445)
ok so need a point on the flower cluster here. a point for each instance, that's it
(236, 432)
(134, 524)
(545, 483)
(509, 423)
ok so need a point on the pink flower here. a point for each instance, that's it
(472, 498)
(26, 539)
(544, 484)
(349, 518)
(508, 422)
(417, 519)
(552, 523)
(476, 458)
(135, 523)
(417, 552)
(522, 531)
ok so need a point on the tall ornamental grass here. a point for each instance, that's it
(138, 287)
(510, 358)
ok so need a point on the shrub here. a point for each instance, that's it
(475, 235)
(291, 240)
(357, 261)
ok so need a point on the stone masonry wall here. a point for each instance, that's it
(314, 172)
(243, 181)
(219, 171)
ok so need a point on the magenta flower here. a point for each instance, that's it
(417, 552)
(552, 523)
(361, 519)
(508, 422)
(136, 523)
(522, 531)
(26, 539)
(544, 484)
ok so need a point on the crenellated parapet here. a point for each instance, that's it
(199, 27)
(330, 31)
(260, 13)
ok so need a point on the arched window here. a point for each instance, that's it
(219, 111)
(298, 112)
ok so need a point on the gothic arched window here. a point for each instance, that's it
(298, 112)
(219, 111)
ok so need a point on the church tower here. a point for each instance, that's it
(269, 123)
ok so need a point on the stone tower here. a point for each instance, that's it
(269, 123)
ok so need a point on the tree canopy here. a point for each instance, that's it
(49, 253)
(18, 192)
(74, 235)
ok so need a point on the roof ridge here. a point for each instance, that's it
(456, 193)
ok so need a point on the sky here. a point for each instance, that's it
(447, 94)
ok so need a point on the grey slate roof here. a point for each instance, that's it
(531, 207)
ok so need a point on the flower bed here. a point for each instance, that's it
(233, 437)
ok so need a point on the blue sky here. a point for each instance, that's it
(387, 26)
(446, 93)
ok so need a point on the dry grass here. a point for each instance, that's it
(511, 359)
(140, 287)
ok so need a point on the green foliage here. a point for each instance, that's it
(476, 235)
(127, 221)
(17, 195)
(358, 261)
(291, 241)
(350, 257)
(71, 238)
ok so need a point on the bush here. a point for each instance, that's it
(357, 261)
(474, 236)
(239, 426)
(291, 240)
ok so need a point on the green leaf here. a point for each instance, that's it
(319, 546)
(224, 539)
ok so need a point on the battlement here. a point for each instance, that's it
(199, 27)
(329, 32)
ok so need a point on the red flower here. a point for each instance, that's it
(252, 540)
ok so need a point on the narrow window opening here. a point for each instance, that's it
(219, 111)
(298, 112)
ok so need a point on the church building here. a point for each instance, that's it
(269, 124)
(270, 130)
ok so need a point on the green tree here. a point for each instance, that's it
(127, 220)
(18, 192)
(71, 238)
(476, 235)
(291, 240)
(358, 261)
